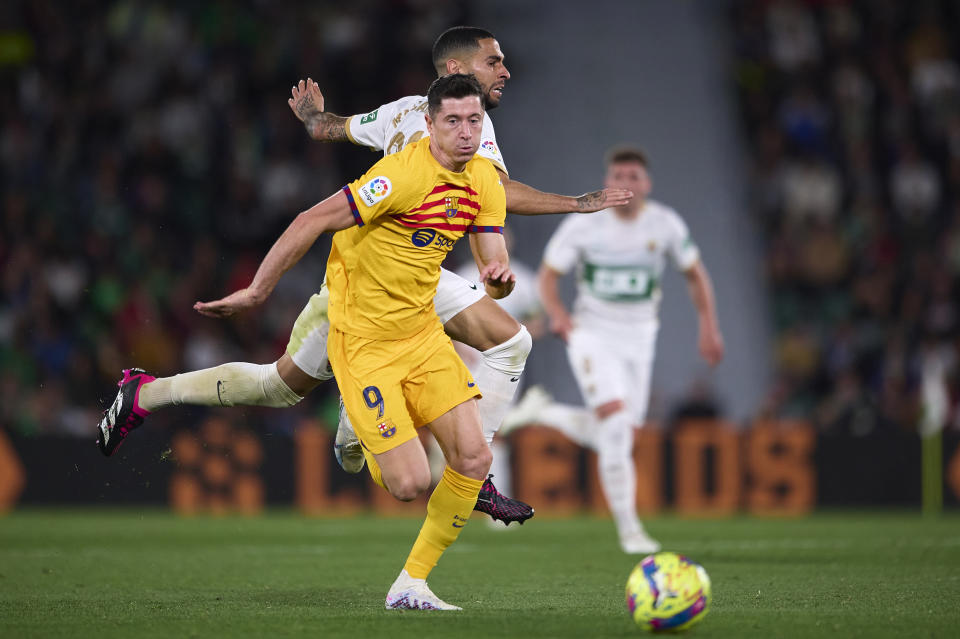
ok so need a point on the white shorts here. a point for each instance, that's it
(308, 340)
(608, 368)
(454, 294)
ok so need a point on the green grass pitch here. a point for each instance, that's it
(152, 574)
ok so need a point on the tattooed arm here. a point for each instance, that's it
(526, 200)
(307, 105)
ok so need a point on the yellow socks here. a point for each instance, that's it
(448, 510)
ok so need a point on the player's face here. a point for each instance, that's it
(487, 65)
(629, 175)
(455, 130)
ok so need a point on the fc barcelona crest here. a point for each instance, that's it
(451, 204)
(387, 428)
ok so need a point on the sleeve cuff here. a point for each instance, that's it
(346, 128)
(473, 228)
(484, 229)
(353, 206)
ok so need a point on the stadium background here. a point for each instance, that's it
(149, 160)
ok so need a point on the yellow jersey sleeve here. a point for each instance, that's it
(493, 200)
(388, 187)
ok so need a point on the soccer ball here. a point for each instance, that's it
(667, 591)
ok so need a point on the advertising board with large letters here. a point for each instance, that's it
(228, 463)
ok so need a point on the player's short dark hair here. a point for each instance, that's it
(455, 85)
(620, 154)
(455, 41)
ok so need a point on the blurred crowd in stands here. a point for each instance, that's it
(149, 158)
(851, 109)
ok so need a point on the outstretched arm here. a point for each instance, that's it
(333, 214)
(490, 254)
(307, 105)
(526, 200)
(560, 322)
(710, 340)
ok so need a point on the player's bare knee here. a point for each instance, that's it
(409, 487)
(405, 492)
(473, 463)
(610, 408)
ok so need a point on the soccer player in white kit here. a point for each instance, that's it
(468, 314)
(619, 255)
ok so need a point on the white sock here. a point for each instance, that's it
(502, 476)
(576, 422)
(497, 377)
(500, 468)
(617, 473)
(225, 385)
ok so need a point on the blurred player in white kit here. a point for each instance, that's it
(619, 254)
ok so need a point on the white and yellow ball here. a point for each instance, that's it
(667, 591)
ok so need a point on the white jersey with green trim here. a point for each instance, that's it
(620, 262)
(394, 125)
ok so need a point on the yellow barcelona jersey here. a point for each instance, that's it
(410, 211)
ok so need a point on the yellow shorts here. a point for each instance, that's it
(392, 387)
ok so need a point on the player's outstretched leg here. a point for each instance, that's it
(232, 384)
(506, 509)
(125, 413)
(280, 384)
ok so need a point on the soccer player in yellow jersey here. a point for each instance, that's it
(396, 368)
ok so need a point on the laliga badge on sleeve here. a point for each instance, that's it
(375, 190)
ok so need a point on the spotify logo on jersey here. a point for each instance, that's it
(423, 237)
